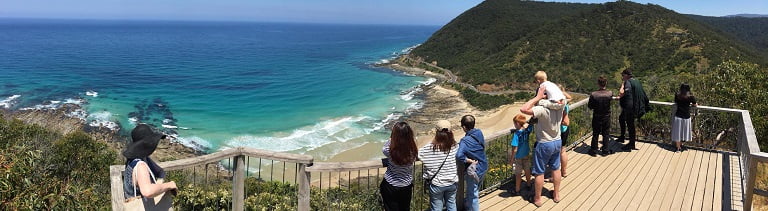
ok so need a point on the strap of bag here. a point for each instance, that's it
(441, 166)
(133, 177)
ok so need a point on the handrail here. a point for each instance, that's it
(239, 153)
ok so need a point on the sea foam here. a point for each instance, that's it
(8, 102)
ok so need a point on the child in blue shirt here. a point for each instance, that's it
(519, 154)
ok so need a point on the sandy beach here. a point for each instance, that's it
(440, 103)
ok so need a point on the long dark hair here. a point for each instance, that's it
(444, 140)
(402, 146)
(685, 92)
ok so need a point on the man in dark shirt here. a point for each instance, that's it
(600, 102)
(627, 116)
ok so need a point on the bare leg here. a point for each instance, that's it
(563, 161)
(556, 180)
(537, 191)
(518, 180)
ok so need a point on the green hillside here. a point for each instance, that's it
(504, 42)
(752, 31)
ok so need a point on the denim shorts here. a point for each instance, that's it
(546, 154)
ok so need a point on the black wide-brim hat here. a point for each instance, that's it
(144, 142)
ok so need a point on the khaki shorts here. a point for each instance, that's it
(522, 164)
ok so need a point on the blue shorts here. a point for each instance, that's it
(546, 154)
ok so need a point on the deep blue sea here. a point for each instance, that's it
(304, 88)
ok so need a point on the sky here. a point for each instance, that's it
(400, 12)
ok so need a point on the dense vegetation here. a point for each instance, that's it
(749, 30)
(42, 170)
(505, 42)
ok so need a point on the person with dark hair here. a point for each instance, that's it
(546, 154)
(472, 154)
(634, 103)
(439, 160)
(397, 187)
(142, 175)
(681, 124)
(600, 103)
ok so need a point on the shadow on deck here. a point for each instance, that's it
(651, 178)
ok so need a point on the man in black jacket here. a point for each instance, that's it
(600, 102)
(634, 103)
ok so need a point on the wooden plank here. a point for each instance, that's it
(672, 199)
(277, 156)
(717, 198)
(655, 202)
(344, 166)
(704, 185)
(598, 175)
(193, 161)
(650, 186)
(116, 186)
(238, 184)
(620, 175)
(585, 174)
(687, 197)
(578, 161)
(303, 193)
(649, 167)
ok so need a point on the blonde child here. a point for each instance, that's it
(553, 93)
(519, 153)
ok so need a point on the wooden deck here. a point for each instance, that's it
(652, 178)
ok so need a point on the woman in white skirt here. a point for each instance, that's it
(681, 124)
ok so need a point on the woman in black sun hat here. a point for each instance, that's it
(141, 172)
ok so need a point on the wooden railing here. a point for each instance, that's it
(238, 180)
(746, 146)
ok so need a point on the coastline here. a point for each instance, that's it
(57, 120)
(440, 103)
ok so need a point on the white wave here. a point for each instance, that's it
(92, 93)
(103, 119)
(8, 102)
(133, 119)
(195, 142)
(79, 113)
(184, 128)
(167, 121)
(306, 138)
(55, 101)
(390, 117)
(409, 94)
(170, 126)
(73, 101)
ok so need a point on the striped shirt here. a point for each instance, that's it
(397, 175)
(432, 160)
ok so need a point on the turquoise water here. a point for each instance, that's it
(283, 87)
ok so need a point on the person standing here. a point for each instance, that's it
(397, 187)
(472, 154)
(681, 124)
(439, 159)
(564, 132)
(600, 103)
(634, 103)
(519, 154)
(547, 151)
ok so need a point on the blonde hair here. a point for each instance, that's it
(520, 119)
(540, 76)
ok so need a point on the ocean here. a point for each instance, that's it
(288, 87)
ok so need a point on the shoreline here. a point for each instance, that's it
(440, 103)
(57, 120)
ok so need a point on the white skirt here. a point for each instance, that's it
(681, 129)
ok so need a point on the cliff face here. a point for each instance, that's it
(504, 42)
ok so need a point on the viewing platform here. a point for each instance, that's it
(651, 178)
(718, 171)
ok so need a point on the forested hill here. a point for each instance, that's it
(751, 30)
(503, 42)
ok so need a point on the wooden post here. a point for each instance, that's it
(116, 183)
(238, 184)
(303, 194)
(460, 190)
